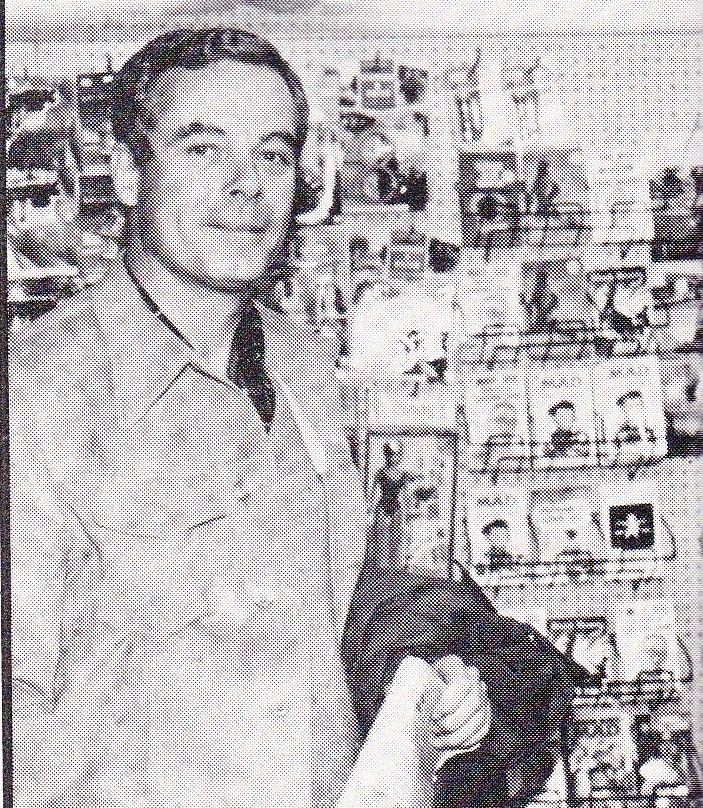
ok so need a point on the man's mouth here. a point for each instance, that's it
(237, 227)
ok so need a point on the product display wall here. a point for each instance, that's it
(503, 241)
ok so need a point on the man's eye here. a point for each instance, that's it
(276, 159)
(202, 149)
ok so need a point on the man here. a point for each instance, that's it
(633, 428)
(187, 524)
(497, 538)
(566, 441)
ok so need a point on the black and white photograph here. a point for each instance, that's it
(352, 438)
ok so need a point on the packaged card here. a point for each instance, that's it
(408, 402)
(601, 754)
(384, 159)
(557, 196)
(677, 193)
(561, 411)
(564, 525)
(411, 486)
(535, 616)
(538, 105)
(558, 312)
(628, 402)
(498, 538)
(377, 85)
(407, 259)
(480, 109)
(399, 334)
(495, 405)
(554, 295)
(491, 199)
(589, 641)
(624, 310)
(647, 642)
(682, 392)
(620, 203)
(630, 521)
(488, 316)
(667, 761)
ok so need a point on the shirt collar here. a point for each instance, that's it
(147, 354)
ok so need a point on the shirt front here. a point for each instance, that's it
(152, 512)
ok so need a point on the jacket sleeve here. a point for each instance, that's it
(530, 684)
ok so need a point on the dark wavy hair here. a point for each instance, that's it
(132, 116)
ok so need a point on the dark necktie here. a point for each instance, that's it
(246, 365)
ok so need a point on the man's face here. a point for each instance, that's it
(498, 536)
(504, 420)
(565, 417)
(632, 410)
(215, 200)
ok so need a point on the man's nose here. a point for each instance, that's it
(242, 177)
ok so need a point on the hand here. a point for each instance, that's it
(461, 717)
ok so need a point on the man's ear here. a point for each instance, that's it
(125, 175)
